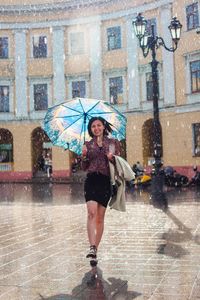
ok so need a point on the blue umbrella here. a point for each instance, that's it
(66, 123)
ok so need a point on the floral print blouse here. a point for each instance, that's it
(96, 160)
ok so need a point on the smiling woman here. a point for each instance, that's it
(96, 155)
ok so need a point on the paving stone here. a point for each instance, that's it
(145, 253)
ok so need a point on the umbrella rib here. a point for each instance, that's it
(81, 105)
(71, 108)
(67, 117)
(68, 127)
(82, 128)
(93, 106)
(103, 113)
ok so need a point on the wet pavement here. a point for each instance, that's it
(146, 252)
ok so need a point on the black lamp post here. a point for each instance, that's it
(151, 42)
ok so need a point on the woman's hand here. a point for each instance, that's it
(110, 156)
(84, 151)
(111, 152)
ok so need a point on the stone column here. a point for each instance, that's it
(168, 57)
(21, 108)
(132, 63)
(96, 61)
(58, 65)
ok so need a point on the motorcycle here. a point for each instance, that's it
(172, 178)
(141, 178)
(195, 181)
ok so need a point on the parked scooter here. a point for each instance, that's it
(195, 181)
(140, 177)
(172, 178)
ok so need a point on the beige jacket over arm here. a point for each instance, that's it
(120, 172)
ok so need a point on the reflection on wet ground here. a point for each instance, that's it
(73, 193)
(41, 193)
(148, 252)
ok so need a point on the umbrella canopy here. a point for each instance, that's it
(66, 123)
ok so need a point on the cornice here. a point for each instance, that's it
(69, 5)
(51, 7)
(128, 14)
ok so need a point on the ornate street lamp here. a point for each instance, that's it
(152, 42)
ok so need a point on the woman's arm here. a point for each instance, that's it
(84, 158)
(117, 148)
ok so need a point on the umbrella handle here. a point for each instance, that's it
(84, 122)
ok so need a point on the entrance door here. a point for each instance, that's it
(41, 154)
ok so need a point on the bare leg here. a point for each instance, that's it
(99, 223)
(91, 221)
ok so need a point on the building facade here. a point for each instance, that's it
(52, 51)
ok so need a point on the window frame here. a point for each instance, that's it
(34, 95)
(82, 77)
(5, 37)
(190, 96)
(38, 36)
(38, 114)
(118, 87)
(150, 24)
(194, 26)
(195, 144)
(8, 96)
(116, 38)
(71, 48)
(151, 81)
(191, 77)
(8, 115)
(143, 70)
(78, 82)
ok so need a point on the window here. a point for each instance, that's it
(4, 98)
(77, 44)
(192, 16)
(6, 153)
(195, 76)
(116, 90)
(149, 86)
(78, 89)
(40, 97)
(151, 27)
(196, 138)
(114, 38)
(3, 47)
(39, 46)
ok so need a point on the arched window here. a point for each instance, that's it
(6, 150)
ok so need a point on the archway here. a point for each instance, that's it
(41, 153)
(6, 150)
(147, 142)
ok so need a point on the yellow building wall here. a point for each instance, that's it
(177, 138)
(77, 64)
(22, 148)
(60, 159)
(134, 138)
(189, 43)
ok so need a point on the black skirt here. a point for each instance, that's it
(97, 188)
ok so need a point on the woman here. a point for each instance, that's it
(95, 159)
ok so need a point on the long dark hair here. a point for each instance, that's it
(106, 124)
